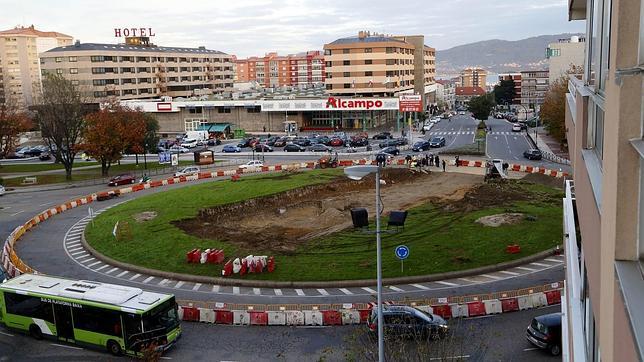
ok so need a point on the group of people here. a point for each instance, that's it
(428, 160)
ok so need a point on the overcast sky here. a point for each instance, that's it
(254, 27)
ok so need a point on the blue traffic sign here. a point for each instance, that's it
(402, 252)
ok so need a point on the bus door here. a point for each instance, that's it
(64, 325)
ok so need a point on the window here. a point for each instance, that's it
(367, 50)
(327, 51)
(346, 51)
(28, 306)
(595, 140)
(368, 74)
(346, 62)
(59, 71)
(329, 86)
(391, 61)
(368, 61)
(328, 64)
(97, 58)
(97, 320)
(59, 59)
(346, 74)
(98, 70)
(100, 94)
(389, 50)
(73, 70)
(223, 110)
(254, 110)
(195, 110)
(73, 59)
(347, 85)
(75, 82)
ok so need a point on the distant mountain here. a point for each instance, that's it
(497, 56)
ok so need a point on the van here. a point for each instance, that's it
(197, 135)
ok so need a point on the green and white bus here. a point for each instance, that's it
(119, 318)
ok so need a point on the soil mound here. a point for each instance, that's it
(500, 219)
(541, 179)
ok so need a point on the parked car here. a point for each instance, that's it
(262, 147)
(545, 332)
(427, 127)
(281, 142)
(533, 154)
(292, 147)
(320, 148)
(2, 190)
(189, 143)
(178, 149)
(437, 141)
(401, 141)
(251, 164)
(462, 113)
(392, 150)
(516, 127)
(405, 321)
(302, 141)
(382, 136)
(336, 142)
(190, 170)
(230, 149)
(323, 140)
(44, 156)
(271, 140)
(213, 142)
(388, 143)
(421, 146)
(247, 142)
(435, 120)
(122, 179)
(358, 142)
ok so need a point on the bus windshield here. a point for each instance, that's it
(164, 316)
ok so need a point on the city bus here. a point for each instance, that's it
(120, 319)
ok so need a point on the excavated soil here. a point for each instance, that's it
(283, 221)
(501, 219)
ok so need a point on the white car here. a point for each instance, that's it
(178, 149)
(191, 170)
(2, 190)
(189, 143)
(251, 164)
(516, 127)
(427, 127)
(462, 113)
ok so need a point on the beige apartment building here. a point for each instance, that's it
(534, 85)
(20, 80)
(473, 77)
(143, 70)
(604, 205)
(379, 65)
(564, 55)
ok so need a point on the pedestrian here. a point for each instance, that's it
(444, 165)
(431, 159)
(456, 160)
(437, 161)
(264, 129)
(426, 160)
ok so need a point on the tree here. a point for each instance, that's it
(151, 138)
(504, 92)
(481, 106)
(112, 130)
(553, 109)
(12, 123)
(60, 119)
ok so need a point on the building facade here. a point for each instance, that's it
(564, 55)
(516, 78)
(378, 65)
(140, 71)
(534, 85)
(20, 76)
(473, 77)
(464, 94)
(604, 205)
(446, 92)
(272, 70)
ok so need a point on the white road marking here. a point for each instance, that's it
(530, 349)
(467, 280)
(135, 276)
(101, 268)
(87, 260)
(94, 263)
(323, 292)
(491, 276)
(539, 264)
(122, 273)
(164, 281)
(257, 291)
(73, 238)
(235, 290)
(369, 290)
(112, 270)
(300, 292)
(73, 244)
(524, 268)
(396, 289)
(450, 357)
(64, 346)
(215, 288)
(447, 283)
(46, 203)
(419, 286)
(196, 287)
(553, 260)
(179, 284)
(16, 213)
(508, 272)
(149, 279)
(277, 291)
(7, 334)
(345, 291)
(75, 249)
(78, 252)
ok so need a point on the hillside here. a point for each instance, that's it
(497, 56)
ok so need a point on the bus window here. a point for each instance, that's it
(132, 326)
(97, 320)
(163, 317)
(28, 306)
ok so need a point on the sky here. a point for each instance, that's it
(255, 27)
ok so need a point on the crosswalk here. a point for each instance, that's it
(452, 133)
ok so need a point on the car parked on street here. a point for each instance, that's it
(388, 143)
(230, 149)
(320, 148)
(302, 141)
(190, 170)
(292, 147)
(516, 127)
(122, 179)
(2, 190)
(213, 142)
(533, 154)
(336, 142)
(382, 136)
(262, 147)
(189, 143)
(421, 146)
(401, 141)
(178, 149)
(408, 322)
(251, 164)
(281, 142)
(358, 142)
(392, 150)
(545, 332)
(45, 156)
(437, 141)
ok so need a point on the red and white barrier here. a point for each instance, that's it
(313, 318)
(294, 318)
(276, 318)
(207, 315)
(241, 317)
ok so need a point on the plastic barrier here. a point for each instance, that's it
(443, 310)
(241, 317)
(207, 315)
(509, 305)
(539, 300)
(475, 309)
(493, 306)
(258, 318)
(312, 318)
(190, 314)
(276, 318)
(193, 256)
(294, 318)
(224, 317)
(331, 318)
(350, 316)
(364, 315)
(227, 270)
(270, 264)
(525, 302)
(459, 310)
(513, 249)
(180, 313)
(553, 297)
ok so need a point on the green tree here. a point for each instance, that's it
(553, 109)
(151, 138)
(504, 92)
(481, 106)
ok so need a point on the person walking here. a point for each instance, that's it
(437, 161)
(456, 160)
(444, 165)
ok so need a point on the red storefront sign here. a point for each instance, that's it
(410, 103)
(164, 107)
(338, 103)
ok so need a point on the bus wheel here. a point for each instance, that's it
(35, 331)
(114, 348)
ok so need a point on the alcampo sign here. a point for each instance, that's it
(338, 103)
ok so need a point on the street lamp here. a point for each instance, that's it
(357, 173)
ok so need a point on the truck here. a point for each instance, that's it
(197, 135)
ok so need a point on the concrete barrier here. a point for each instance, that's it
(525, 302)
(493, 306)
(312, 318)
(539, 300)
(295, 318)
(350, 316)
(241, 317)
(276, 318)
(207, 315)
(459, 310)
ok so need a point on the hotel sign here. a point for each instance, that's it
(127, 32)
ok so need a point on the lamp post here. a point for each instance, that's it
(357, 173)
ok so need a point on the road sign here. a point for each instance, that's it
(410, 103)
(164, 157)
(402, 252)
(175, 159)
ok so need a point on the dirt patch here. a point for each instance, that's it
(487, 195)
(282, 222)
(145, 216)
(500, 219)
(541, 179)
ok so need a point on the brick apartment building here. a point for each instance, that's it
(273, 70)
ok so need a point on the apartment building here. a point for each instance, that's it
(128, 71)
(473, 77)
(20, 81)
(379, 65)
(446, 92)
(564, 55)
(534, 85)
(516, 78)
(301, 69)
(604, 205)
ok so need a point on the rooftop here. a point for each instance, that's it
(128, 48)
(469, 91)
(366, 39)
(32, 31)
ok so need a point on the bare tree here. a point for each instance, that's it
(60, 118)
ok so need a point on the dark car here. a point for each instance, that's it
(45, 156)
(123, 179)
(247, 142)
(388, 143)
(359, 142)
(230, 149)
(401, 141)
(405, 321)
(271, 140)
(292, 147)
(382, 136)
(533, 154)
(280, 142)
(213, 142)
(437, 141)
(336, 142)
(545, 332)
(325, 140)
(304, 142)
(31, 152)
(390, 150)
(262, 147)
(320, 148)
(421, 146)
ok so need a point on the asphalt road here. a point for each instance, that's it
(490, 338)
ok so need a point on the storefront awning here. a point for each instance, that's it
(214, 127)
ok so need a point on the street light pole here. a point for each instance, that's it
(381, 322)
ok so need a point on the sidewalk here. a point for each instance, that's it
(547, 143)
